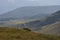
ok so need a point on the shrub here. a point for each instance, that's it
(26, 29)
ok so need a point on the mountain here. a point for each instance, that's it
(44, 21)
(34, 25)
(48, 25)
(31, 12)
(22, 34)
(53, 25)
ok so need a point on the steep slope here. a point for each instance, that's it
(51, 29)
(20, 34)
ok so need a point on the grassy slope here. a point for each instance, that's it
(51, 29)
(19, 34)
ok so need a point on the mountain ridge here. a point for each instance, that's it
(30, 11)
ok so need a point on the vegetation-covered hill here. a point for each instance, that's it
(20, 34)
(51, 29)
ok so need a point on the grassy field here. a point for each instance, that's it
(20, 34)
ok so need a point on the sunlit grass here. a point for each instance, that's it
(20, 34)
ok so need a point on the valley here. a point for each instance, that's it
(39, 22)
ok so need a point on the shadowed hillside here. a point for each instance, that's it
(51, 29)
(45, 21)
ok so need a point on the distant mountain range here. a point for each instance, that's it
(30, 12)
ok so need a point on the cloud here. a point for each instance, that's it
(33, 0)
(12, 1)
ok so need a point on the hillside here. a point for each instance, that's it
(20, 34)
(51, 29)
(52, 24)
(45, 21)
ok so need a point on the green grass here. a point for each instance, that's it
(20, 34)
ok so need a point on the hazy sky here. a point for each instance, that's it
(7, 5)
